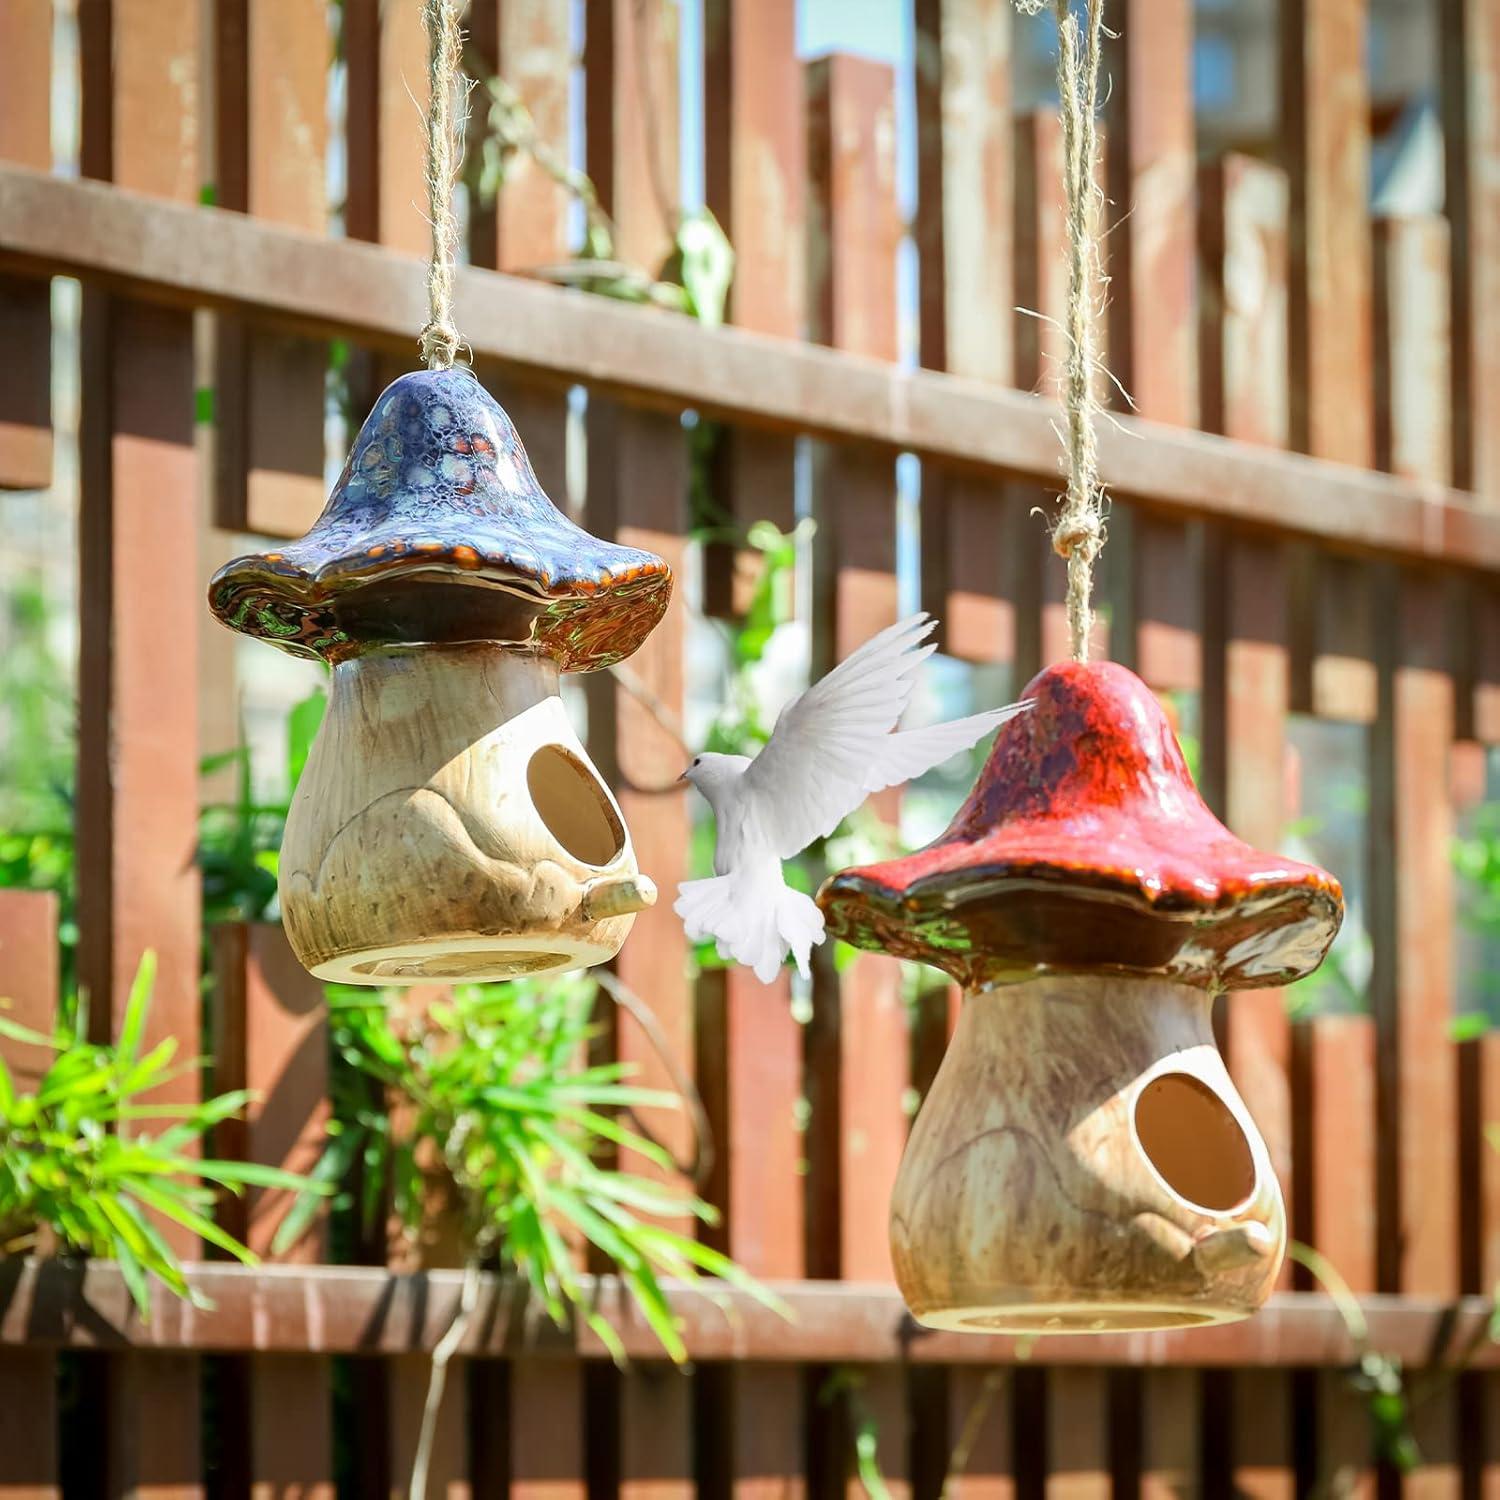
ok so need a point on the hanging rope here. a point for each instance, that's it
(1079, 532)
(447, 110)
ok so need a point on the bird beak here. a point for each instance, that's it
(684, 775)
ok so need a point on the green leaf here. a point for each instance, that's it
(302, 726)
(136, 1007)
(18, 1033)
(254, 1174)
(1468, 1028)
(705, 265)
(208, 765)
(175, 1208)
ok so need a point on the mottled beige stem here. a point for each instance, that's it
(1083, 1163)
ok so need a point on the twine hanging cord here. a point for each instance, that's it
(447, 116)
(1079, 532)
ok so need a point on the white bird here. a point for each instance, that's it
(833, 746)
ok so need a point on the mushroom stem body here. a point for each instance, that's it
(450, 826)
(1082, 1163)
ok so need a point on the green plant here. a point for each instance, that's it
(505, 1113)
(77, 1160)
(1375, 1375)
(1476, 859)
(239, 842)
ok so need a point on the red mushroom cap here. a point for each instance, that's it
(1085, 847)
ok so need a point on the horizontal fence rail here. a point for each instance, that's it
(197, 257)
(369, 1311)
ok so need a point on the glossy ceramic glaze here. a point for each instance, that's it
(1085, 847)
(437, 531)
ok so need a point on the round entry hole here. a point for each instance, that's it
(1197, 1146)
(569, 800)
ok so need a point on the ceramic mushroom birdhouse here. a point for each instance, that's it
(1083, 1161)
(449, 824)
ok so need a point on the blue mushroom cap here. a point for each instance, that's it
(437, 531)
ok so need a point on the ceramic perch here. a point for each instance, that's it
(1083, 1162)
(449, 825)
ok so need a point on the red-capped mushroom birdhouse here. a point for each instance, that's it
(449, 824)
(1083, 1162)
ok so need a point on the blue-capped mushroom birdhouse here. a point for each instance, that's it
(449, 824)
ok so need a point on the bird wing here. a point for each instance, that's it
(833, 746)
(811, 775)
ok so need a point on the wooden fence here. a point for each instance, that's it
(1306, 521)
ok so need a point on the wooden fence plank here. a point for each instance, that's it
(755, 157)
(750, 1044)
(1243, 289)
(528, 45)
(854, 235)
(1412, 356)
(1479, 1199)
(755, 183)
(1326, 107)
(1334, 1084)
(546, 1448)
(637, 494)
(1077, 1435)
(272, 65)
(964, 174)
(963, 228)
(1469, 37)
(271, 1037)
(1413, 893)
(1170, 1457)
(1412, 906)
(1041, 294)
(29, 976)
(139, 621)
(28, 1377)
(1152, 175)
(981, 1436)
(407, 1376)
(26, 306)
(858, 1046)
(631, 110)
(387, 101)
(1261, 1457)
(1040, 270)
(750, 1075)
(1154, 566)
(385, 50)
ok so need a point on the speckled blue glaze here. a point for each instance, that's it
(438, 530)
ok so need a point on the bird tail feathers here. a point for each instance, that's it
(754, 918)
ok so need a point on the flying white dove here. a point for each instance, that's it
(832, 746)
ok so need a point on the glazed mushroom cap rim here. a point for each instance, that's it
(974, 883)
(438, 494)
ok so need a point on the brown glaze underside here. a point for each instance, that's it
(412, 600)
